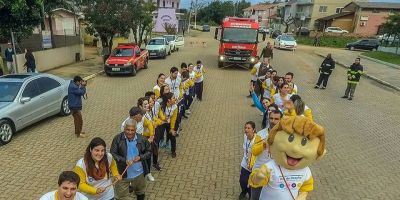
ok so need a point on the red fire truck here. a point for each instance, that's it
(238, 42)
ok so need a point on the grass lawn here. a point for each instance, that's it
(383, 56)
(327, 41)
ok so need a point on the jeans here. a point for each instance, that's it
(78, 121)
(155, 144)
(199, 90)
(181, 112)
(255, 193)
(188, 101)
(323, 78)
(244, 181)
(351, 88)
(170, 137)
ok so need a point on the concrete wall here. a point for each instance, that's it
(52, 58)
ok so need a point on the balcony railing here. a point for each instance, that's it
(305, 2)
(305, 14)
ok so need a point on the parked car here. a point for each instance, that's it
(275, 34)
(285, 42)
(126, 58)
(335, 30)
(263, 29)
(386, 37)
(365, 44)
(158, 47)
(171, 41)
(303, 31)
(177, 41)
(29, 98)
(206, 28)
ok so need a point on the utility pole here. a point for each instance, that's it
(195, 14)
(15, 52)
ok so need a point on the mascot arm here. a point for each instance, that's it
(260, 177)
(302, 196)
(307, 187)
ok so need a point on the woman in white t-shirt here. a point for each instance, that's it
(159, 83)
(282, 96)
(248, 159)
(96, 170)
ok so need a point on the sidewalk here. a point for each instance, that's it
(92, 66)
(383, 74)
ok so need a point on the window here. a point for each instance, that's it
(163, 4)
(173, 4)
(46, 84)
(31, 90)
(138, 51)
(339, 10)
(177, 5)
(322, 9)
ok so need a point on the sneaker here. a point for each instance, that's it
(150, 177)
(248, 96)
(316, 87)
(345, 97)
(261, 114)
(173, 154)
(82, 135)
(188, 112)
(351, 98)
(323, 87)
(157, 167)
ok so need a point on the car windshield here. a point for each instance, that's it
(156, 42)
(287, 38)
(9, 90)
(170, 38)
(239, 35)
(122, 52)
(205, 26)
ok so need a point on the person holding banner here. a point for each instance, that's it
(96, 170)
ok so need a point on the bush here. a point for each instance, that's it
(328, 41)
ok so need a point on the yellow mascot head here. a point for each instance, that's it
(296, 142)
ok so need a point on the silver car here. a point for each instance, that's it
(29, 98)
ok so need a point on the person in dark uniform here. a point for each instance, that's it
(353, 77)
(325, 70)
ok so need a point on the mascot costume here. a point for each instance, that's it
(294, 143)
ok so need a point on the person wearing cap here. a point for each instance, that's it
(144, 127)
(9, 54)
(76, 90)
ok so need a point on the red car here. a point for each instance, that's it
(126, 59)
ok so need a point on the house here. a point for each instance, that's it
(363, 18)
(264, 13)
(167, 12)
(306, 13)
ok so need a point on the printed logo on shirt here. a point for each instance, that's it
(90, 179)
(281, 185)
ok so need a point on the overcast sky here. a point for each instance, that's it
(186, 3)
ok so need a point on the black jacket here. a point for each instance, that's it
(119, 152)
(354, 73)
(30, 61)
(327, 66)
(267, 53)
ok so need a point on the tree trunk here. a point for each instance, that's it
(53, 44)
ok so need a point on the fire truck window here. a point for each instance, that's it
(240, 35)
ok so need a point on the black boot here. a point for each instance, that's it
(140, 197)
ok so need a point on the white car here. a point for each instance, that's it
(285, 42)
(158, 47)
(335, 30)
(175, 41)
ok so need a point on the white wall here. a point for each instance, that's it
(52, 58)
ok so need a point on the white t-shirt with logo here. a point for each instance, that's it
(264, 156)
(52, 196)
(247, 145)
(174, 85)
(199, 70)
(257, 66)
(276, 188)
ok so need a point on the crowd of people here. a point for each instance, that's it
(154, 122)
(275, 96)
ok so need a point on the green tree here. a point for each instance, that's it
(216, 11)
(49, 7)
(21, 16)
(142, 19)
(107, 18)
(392, 28)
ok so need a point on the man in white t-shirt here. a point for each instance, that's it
(174, 82)
(68, 183)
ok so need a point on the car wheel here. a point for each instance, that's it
(108, 74)
(177, 49)
(169, 52)
(352, 48)
(165, 55)
(65, 111)
(6, 131)
(146, 64)
(133, 70)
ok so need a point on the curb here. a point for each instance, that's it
(381, 62)
(86, 78)
(366, 75)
